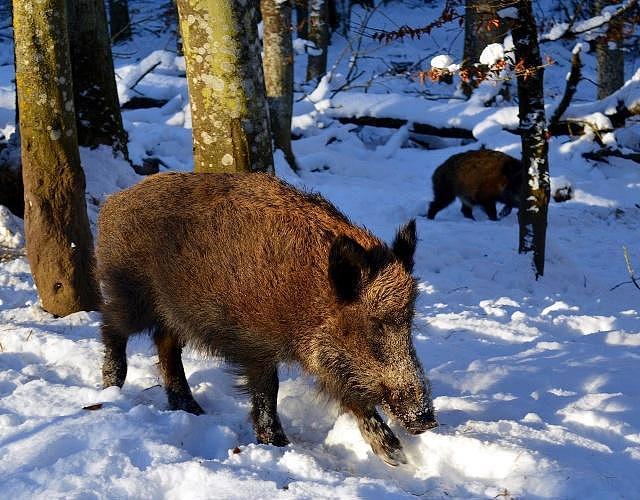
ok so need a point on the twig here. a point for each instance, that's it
(630, 270)
(154, 66)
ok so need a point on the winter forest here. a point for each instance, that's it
(319, 249)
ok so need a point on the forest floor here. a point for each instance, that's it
(535, 382)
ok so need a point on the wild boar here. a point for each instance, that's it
(245, 267)
(478, 178)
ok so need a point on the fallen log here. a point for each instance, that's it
(418, 128)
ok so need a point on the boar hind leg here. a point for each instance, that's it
(467, 211)
(262, 384)
(380, 437)
(175, 382)
(442, 199)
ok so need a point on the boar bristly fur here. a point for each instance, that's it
(481, 177)
(245, 267)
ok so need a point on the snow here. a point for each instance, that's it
(535, 382)
(491, 54)
(441, 61)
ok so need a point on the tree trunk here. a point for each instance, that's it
(609, 53)
(302, 18)
(59, 242)
(278, 72)
(480, 31)
(119, 20)
(226, 86)
(95, 95)
(534, 197)
(319, 35)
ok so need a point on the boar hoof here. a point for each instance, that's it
(277, 438)
(185, 404)
(390, 451)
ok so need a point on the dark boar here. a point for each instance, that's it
(247, 268)
(478, 178)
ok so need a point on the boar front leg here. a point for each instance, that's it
(380, 437)
(262, 384)
(175, 382)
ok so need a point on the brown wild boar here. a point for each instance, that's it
(245, 267)
(478, 178)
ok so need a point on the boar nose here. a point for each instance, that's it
(422, 423)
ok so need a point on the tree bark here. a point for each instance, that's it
(319, 35)
(609, 53)
(59, 242)
(95, 95)
(534, 197)
(278, 72)
(302, 18)
(119, 20)
(479, 31)
(226, 86)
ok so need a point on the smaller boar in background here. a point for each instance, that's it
(250, 269)
(482, 178)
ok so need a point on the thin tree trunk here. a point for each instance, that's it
(302, 18)
(278, 72)
(342, 14)
(94, 86)
(609, 53)
(119, 20)
(534, 197)
(319, 35)
(226, 86)
(59, 242)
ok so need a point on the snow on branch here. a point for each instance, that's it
(573, 29)
(616, 108)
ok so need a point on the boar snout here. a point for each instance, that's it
(422, 423)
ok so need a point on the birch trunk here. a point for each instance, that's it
(226, 86)
(534, 197)
(319, 35)
(278, 72)
(59, 242)
(98, 117)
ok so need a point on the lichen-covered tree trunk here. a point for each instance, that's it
(480, 29)
(319, 35)
(535, 192)
(226, 86)
(302, 18)
(119, 20)
(98, 117)
(278, 72)
(609, 53)
(59, 242)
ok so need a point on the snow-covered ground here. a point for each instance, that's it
(535, 383)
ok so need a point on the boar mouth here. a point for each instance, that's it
(419, 427)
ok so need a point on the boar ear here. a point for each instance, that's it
(404, 245)
(347, 264)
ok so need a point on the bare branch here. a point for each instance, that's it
(570, 89)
